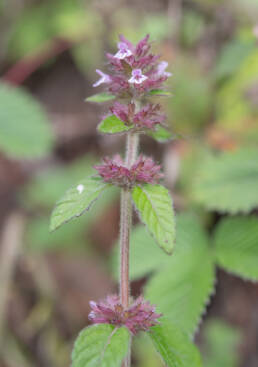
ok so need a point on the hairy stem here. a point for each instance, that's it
(125, 227)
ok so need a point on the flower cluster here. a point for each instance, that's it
(140, 316)
(146, 118)
(114, 171)
(135, 71)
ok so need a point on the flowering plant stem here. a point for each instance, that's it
(125, 227)
(136, 76)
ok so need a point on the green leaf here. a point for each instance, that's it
(24, 128)
(145, 352)
(70, 237)
(161, 134)
(159, 92)
(228, 182)
(182, 288)
(100, 97)
(112, 125)
(76, 201)
(145, 255)
(221, 342)
(174, 346)
(100, 346)
(236, 246)
(154, 205)
(232, 57)
(44, 189)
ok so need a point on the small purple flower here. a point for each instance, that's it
(114, 171)
(105, 78)
(161, 69)
(123, 52)
(137, 77)
(140, 316)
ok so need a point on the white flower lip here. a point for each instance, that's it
(137, 77)
(123, 52)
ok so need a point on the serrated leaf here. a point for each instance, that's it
(112, 125)
(161, 134)
(100, 345)
(100, 97)
(228, 182)
(24, 128)
(174, 346)
(159, 92)
(154, 205)
(76, 201)
(145, 256)
(236, 246)
(183, 287)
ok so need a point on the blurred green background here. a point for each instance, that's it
(49, 51)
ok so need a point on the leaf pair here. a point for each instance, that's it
(113, 125)
(104, 345)
(153, 203)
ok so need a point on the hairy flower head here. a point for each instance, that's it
(144, 170)
(140, 316)
(134, 70)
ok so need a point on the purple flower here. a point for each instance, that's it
(134, 70)
(137, 77)
(123, 52)
(147, 118)
(105, 78)
(161, 69)
(140, 316)
(114, 171)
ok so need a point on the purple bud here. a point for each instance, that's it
(140, 316)
(137, 77)
(105, 78)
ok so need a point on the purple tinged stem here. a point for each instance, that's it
(125, 228)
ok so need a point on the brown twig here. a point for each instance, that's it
(11, 244)
(20, 71)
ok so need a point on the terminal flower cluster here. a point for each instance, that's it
(140, 316)
(144, 170)
(134, 70)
